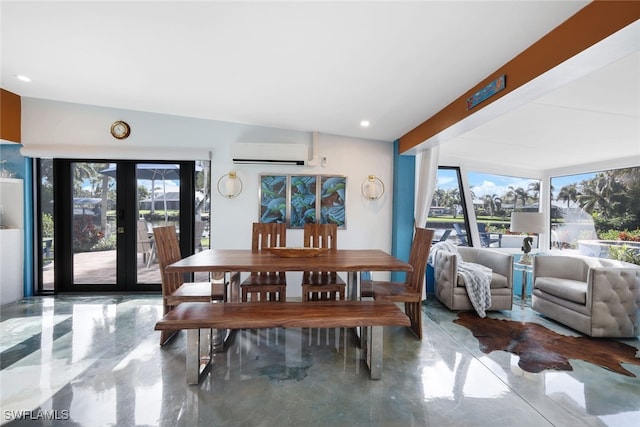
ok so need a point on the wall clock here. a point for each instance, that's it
(120, 129)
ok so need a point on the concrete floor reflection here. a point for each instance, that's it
(95, 361)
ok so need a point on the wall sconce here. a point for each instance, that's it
(372, 188)
(230, 185)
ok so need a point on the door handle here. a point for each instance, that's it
(120, 230)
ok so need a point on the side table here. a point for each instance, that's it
(526, 269)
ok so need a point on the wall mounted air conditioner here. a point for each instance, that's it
(268, 153)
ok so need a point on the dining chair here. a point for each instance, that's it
(198, 232)
(145, 244)
(265, 286)
(322, 285)
(409, 292)
(174, 289)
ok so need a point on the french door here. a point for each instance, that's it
(104, 214)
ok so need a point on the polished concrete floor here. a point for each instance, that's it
(95, 361)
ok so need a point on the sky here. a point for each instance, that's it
(483, 184)
(561, 181)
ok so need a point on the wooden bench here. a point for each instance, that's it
(371, 316)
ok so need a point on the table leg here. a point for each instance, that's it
(197, 363)
(372, 342)
(353, 286)
(353, 294)
(523, 296)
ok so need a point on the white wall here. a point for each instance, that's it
(368, 222)
(58, 129)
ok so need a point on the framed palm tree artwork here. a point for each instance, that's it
(273, 198)
(302, 199)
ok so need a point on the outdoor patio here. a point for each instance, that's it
(100, 268)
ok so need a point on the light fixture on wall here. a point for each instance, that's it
(230, 185)
(527, 222)
(372, 188)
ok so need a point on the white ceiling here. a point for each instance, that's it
(318, 66)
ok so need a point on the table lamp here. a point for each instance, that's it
(527, 222)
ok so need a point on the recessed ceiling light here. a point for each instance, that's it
(23, 78)
(365, 123)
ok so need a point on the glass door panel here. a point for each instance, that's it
(202, 174)
(158, 202)
(93, 225)
(47, 225)
(105, 212)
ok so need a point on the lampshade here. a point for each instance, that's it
(527, 222)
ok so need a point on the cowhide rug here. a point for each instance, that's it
(540, 348)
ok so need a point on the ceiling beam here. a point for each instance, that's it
(10, 114)
(593, 23)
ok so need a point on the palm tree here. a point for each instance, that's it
(82, 172)
(438, 197)
(497, 202)
(204, 183)
(568, 194)
(591, 200)
(534, 189)
(492, 203)
(510, 196)
(604, 194)
(453, 200)
(520, 193)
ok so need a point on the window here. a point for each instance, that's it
(495, 197)
(447, 213)
(597, 213)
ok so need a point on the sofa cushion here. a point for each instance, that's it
(498, 281)
(571, 290)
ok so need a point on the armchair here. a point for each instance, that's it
(598, 297)
(450, 286)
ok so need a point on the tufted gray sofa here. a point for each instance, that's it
(450, 287)
(598, 297)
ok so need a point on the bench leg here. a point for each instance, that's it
(197, 364)
(372, 340)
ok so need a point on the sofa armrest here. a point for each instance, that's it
(607, 284)
(613, 298)
(445, 266)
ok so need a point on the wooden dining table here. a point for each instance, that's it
(350, 261)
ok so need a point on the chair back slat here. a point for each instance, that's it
(320, 236)
(418, 258)
(168, 252)
(268, 235)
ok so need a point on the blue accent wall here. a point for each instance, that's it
(29, 262)
(404, 176)
(21, 168)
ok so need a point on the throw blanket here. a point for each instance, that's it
(476, 277)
